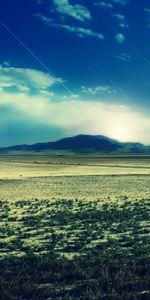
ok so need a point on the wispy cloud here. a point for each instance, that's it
(124, 25)
(39, 1)
(97, 90)
(120, 38)
(104, 4)
(76, 11)
(121, 2)
(79, 31)
(82, 32)
(24, 79)
(123, 57)
(121, 20)
(147, 11)
(120, 17)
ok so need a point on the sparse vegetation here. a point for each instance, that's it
(88, 239)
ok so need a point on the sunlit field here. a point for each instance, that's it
(74, 227)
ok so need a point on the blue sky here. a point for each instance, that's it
(71, 67)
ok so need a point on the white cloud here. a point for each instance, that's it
(77, 116)
(69, 114)
(100, 89)
(25, 79)
(120, 38)
(79, 31)
(76, 11)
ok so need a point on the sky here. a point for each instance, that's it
(71, 67)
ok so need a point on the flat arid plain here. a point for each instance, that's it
(74, 227)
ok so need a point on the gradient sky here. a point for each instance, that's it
(74, 66)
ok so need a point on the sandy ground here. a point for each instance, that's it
(24, 167)
(54, 177)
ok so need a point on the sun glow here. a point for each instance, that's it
(119, 129)
(120, 133)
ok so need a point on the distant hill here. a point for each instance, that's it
(81, 144)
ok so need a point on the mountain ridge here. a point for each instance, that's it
(82, 143)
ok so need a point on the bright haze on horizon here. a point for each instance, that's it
(71, 67)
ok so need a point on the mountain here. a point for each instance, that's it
(81, 144)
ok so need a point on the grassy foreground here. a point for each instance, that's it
(75, 249)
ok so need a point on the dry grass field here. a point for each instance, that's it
(74, 227)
